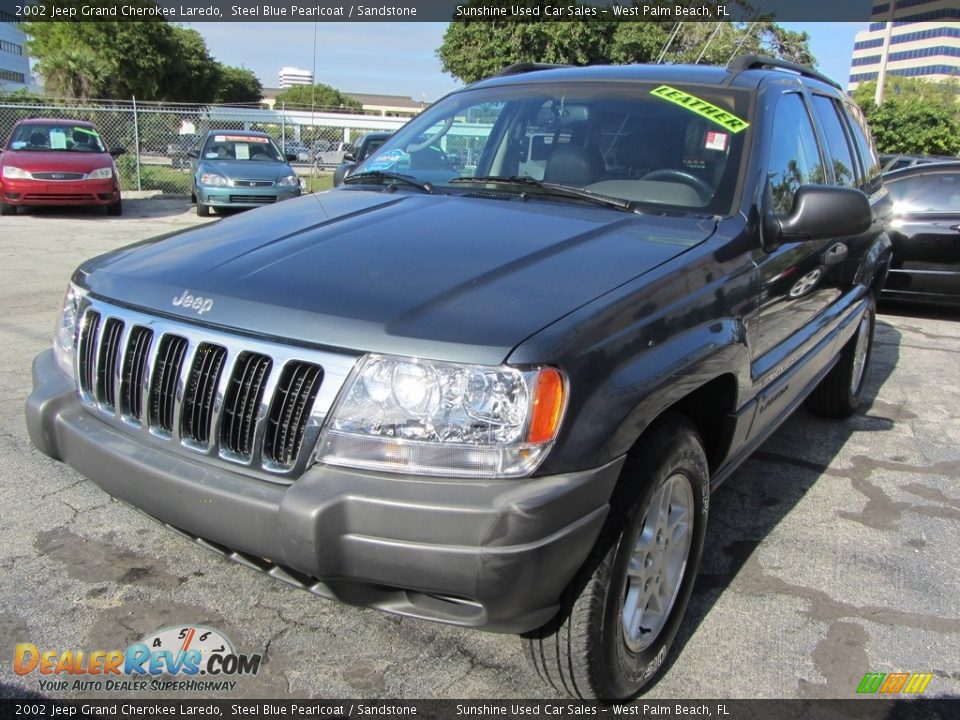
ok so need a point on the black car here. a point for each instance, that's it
(365, 145)
(498, 395)
(892, 162)
(926, 234)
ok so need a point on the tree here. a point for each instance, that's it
(319, 95)
(152, 60)
(475, 49)
(72, 73)
(238, 85)
(916, 117)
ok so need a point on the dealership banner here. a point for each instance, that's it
(486, 709)
(438, 10)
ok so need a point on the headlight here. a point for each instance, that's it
(64, 335)
(423, 417)
(9, 171)
(289, 181)
(213, 179)
(103, 173)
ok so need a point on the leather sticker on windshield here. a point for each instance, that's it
(701, 107)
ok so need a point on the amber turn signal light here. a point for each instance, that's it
(547, 407)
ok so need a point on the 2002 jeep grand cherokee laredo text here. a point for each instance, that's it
(497, 396)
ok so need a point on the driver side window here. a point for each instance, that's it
(794, 155)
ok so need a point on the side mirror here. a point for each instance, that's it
(342, 171)
(819, 212)
(291, 157)
(118, 151)
(193, 154)
(349, 157)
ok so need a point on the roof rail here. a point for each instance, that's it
(750, 62)
(525, 67)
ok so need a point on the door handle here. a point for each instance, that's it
(836, 253)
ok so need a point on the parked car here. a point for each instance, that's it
(300, 151)
(486, 399)
(241, 169)
(179, 149)
(52, 161)
(326, 154)
(891, 162)
(926, 234)
(364, 146)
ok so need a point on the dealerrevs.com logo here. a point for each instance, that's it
(174, 658)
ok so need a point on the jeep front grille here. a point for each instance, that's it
(207, 393)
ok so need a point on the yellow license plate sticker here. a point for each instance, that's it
(701, 107)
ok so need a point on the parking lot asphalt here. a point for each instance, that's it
(833, 552)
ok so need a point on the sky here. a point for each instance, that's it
(400, 58)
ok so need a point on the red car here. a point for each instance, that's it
(48, 161)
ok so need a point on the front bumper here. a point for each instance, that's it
(244, 197)
(40, 192)
(493, 555)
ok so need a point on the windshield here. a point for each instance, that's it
(56, 137)
(241, 147)
(645, 143)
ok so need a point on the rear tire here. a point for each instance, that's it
(839, 394)
(203, 210)
(619, 616)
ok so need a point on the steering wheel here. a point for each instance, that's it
(416, 147)
(702, 189)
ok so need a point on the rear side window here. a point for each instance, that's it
(844, 164)
(929, 193)
(868, 153)
(794, 154)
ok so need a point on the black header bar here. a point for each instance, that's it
(436, 10)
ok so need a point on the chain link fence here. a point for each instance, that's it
(158, 136)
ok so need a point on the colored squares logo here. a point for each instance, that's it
(893, 683)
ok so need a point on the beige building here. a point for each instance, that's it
(382, 105)
(908, 38)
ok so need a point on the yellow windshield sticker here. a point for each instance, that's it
(701, 107)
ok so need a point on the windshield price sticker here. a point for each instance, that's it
(701, 107)
(242, 138)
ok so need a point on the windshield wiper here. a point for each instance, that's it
(380, 175)
(549, 188)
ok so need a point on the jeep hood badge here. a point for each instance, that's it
(193, 302)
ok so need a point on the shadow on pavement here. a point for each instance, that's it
(132, 209)
(767, 487)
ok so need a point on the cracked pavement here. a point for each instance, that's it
(831, 553)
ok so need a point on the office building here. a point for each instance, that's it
(14, 63)
(908, 38)
(290, 76)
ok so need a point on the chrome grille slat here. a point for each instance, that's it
(200, 393)
(108, 359)
(133, 382)
(287, 419)
(163, 385)
(87, 353)
(220, 398)
(242, 404)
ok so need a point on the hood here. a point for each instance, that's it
(247, 169)
(53, 161)
(442, 277)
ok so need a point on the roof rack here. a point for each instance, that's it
(750, 62)
(525, 67)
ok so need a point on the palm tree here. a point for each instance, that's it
(73, 73)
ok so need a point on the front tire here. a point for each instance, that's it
(621, 613)
(839, 394)
(203, 210)
(115, 210)
(7, 209)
